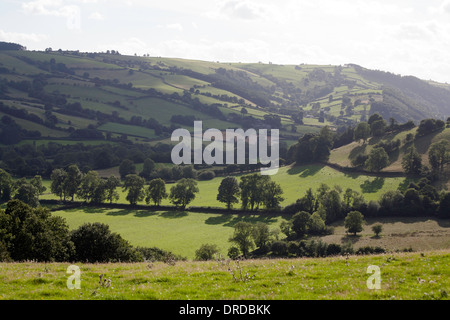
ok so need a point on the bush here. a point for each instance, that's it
(4, 254)
(315, 248)
(279, 248)
(316, 225)
(33, 234)
(96, 243)
(370, 250)
(206, 175)
(347, 248)
(156, 254)
(293, 247)
(359, 160)
(233, 253)
(334, 249)
(206, 252)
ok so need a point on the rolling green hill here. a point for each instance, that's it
(70, 90)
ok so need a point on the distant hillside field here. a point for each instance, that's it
(344, 155)
(102, 90)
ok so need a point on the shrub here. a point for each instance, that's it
(33, 234)
(316, 225)
(279, 248)
(370, 250)
(233, 253)
(347, 248)
(316, 248)
(206, 175)
(156, 254)
(359, 160)
(206, 252)
(4, 254)
(293, 247)
(96, 243)
(334, 249)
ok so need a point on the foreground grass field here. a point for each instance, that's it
(403, 276)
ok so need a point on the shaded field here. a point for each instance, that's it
(405, 276)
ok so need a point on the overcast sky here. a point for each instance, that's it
(407, 37)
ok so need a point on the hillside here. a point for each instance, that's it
(344, 156)
(58, 94)
(404, 276)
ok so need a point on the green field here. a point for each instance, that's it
(129, 130)
(295, 181)
(179, 232)
(404, 276)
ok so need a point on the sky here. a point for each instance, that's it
(407, 37)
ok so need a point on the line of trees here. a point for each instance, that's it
(331, 204)
(94, 189)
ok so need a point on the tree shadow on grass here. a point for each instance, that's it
(350, 238)
(122, 212)
(145, 214)
(357, 151)
(252, 219)
(93, 210)
(405, 184)
(173, 214)
(305, 171)
(219, 219)
(372, 186)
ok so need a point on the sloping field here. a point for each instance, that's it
(403, 276)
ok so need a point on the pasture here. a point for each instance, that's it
(179, 232)
(406, 276)
(294, 181)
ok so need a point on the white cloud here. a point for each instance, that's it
(22, 37)
(72, 13)
(445, 7)
(243, 9)
(171, 26)
(44, 7)
(96, 16)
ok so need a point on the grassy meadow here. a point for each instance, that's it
(295, 181)
(184, 232)
(406, 276)
(179, 232)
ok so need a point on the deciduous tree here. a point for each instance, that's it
(156, 191)
(228, 191)
(134, 185)
(183, 192)
(354, 222)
